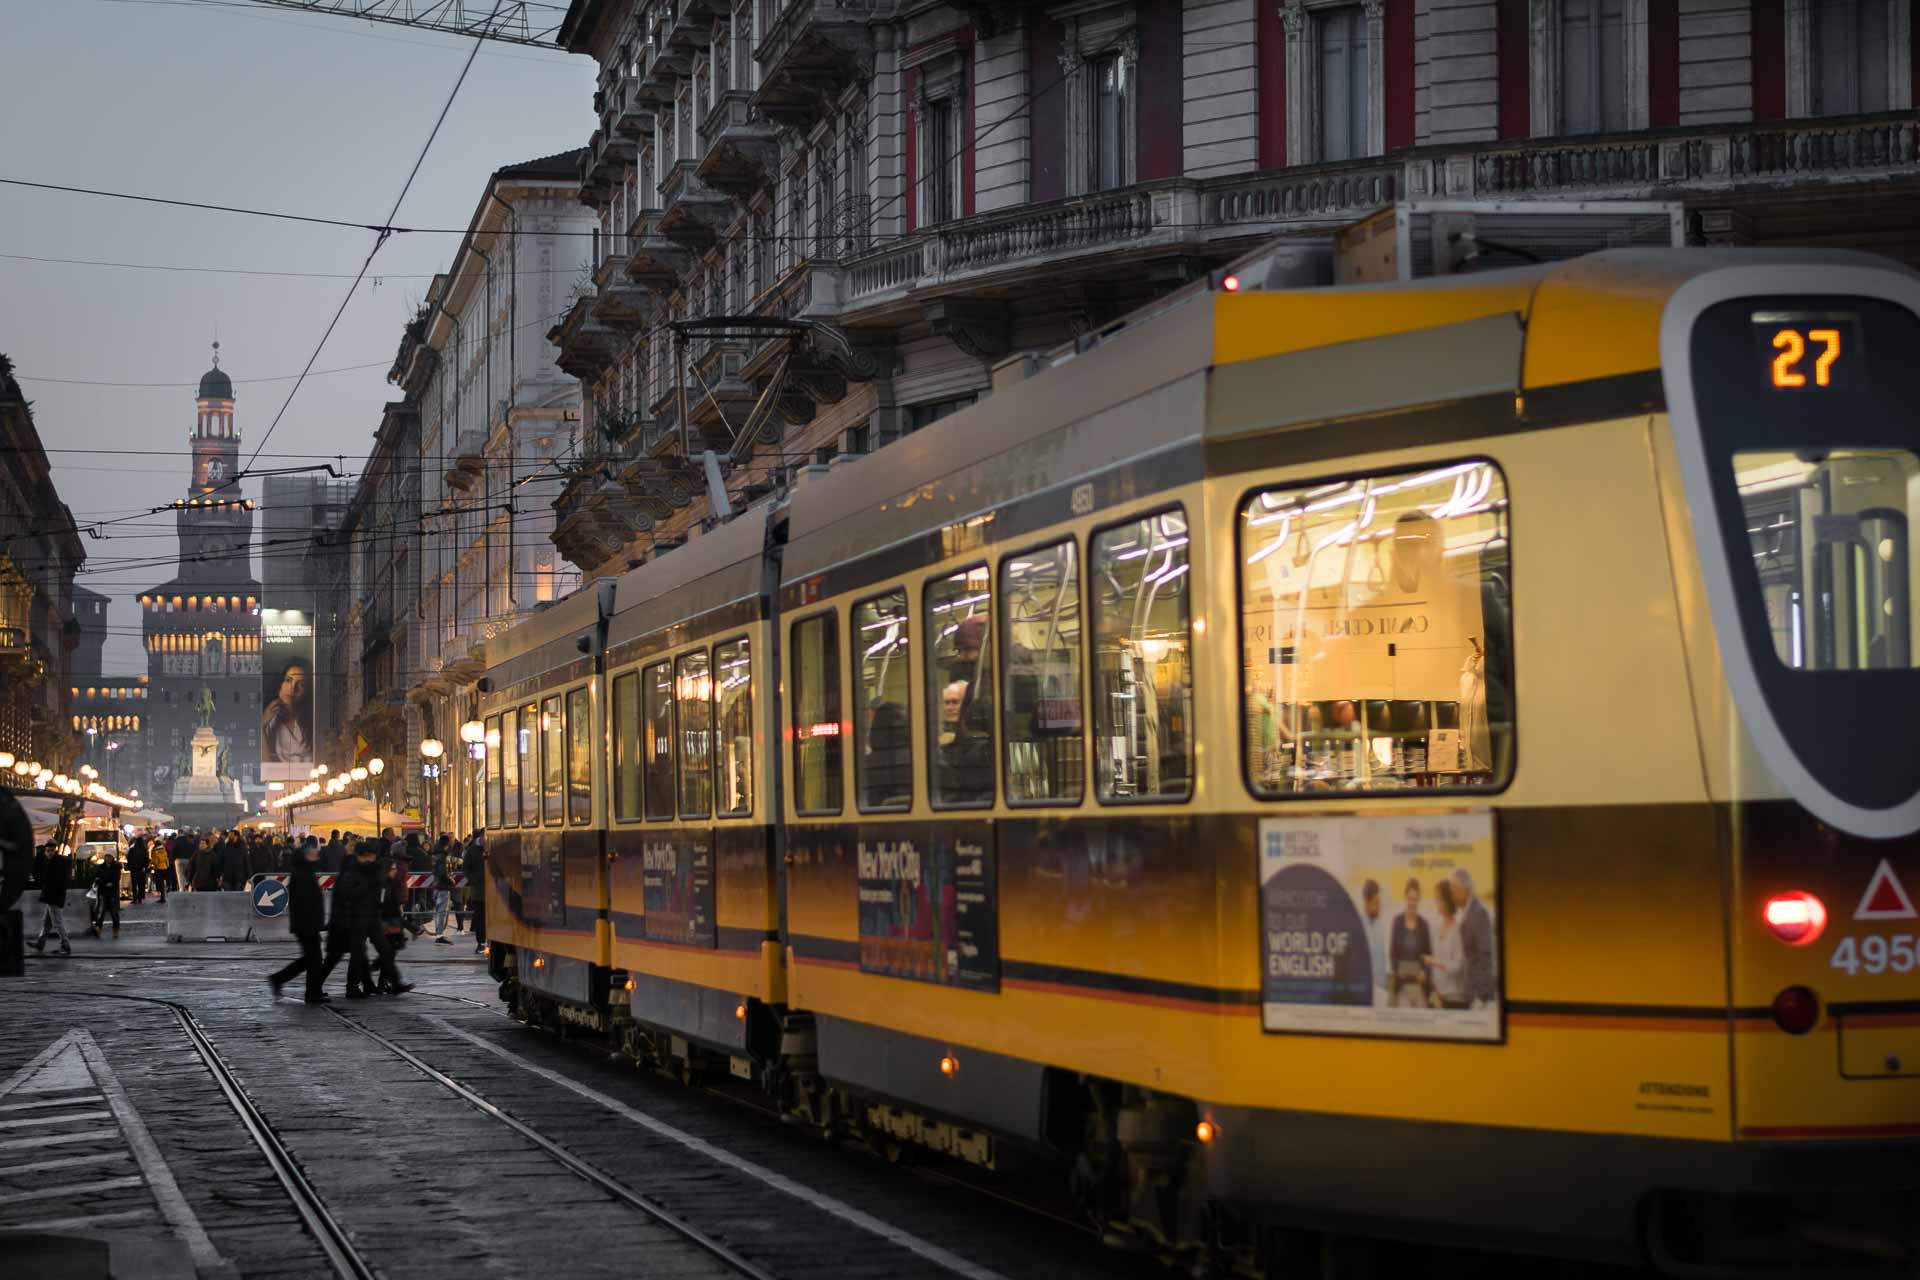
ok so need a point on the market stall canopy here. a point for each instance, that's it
(351, 813)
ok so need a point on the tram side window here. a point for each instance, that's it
(553, 746)
(816, 714)
(626, 744)
(693, 700)
(1142, 660)
(1830, 546)
(1040, 711)
(959, 683)
(883, 741)
(657, 691)
(579, 758)
(512, 751)
(1376, 634)
(530, 765)
(733, 716)
(493, 772)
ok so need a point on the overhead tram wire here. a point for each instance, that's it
(382, 235)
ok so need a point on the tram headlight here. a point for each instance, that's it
(1795, 917)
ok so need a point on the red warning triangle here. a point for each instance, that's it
(1886, 898)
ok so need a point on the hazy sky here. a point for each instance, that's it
(237, 105)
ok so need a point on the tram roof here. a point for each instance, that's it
(1171, 378)
(718, 568)
(549, 639)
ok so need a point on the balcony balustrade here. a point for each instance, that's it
(812, 50)
(656, 263)
(738, 150)
(467, 460)
(628, 114)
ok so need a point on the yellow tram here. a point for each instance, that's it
(1433, 759)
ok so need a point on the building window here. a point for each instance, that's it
(1589, 66)
(937, 164)
(1112, 105)
(939, 71)
(1340, 46)
(1848, 56)
(924, 415)
(1593, 66)
(1335, 85)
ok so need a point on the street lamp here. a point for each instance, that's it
(376, 767)
(431, 749)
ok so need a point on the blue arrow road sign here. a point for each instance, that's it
(269, 898)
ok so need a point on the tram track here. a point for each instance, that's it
(573, 1163)
(328, 1232)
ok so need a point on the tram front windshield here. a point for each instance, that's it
(1829, 533)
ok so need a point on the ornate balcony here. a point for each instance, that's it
(738, 151)
(619, 303)
(586, 345)
(813, 49)
(628, 115)
(662, 482)
(656, 263)
(718, 397)
(691, 213)
(467, 461)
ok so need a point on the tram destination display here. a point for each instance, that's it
(1384, 926)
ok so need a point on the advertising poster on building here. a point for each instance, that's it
(927, 907)
(676, 886)
(286, 696)
(1381, 926)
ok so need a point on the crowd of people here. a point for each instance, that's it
(203, 862)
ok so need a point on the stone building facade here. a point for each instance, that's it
(452, 521)
(40, 554)
(823, 222)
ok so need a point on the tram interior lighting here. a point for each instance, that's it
(1796, 917)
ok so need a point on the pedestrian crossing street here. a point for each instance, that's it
(76, 1157)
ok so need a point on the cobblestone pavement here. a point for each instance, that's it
(441, 1137)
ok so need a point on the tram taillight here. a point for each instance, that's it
(1795, 917)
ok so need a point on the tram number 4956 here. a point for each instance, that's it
(1877, 954)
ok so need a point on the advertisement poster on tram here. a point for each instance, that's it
(286, 695)
(676, 887)
(927, 905)
(1381, 926)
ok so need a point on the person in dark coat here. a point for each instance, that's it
(392, 933)
(334, 855)
(356, 914)
(137, 868)
(17, 854)
(39, 864)
(106, 892)
(233, 863)
(53, 897)
(306, 913)
(206, 867)
(475, 863)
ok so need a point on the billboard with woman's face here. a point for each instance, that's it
(286, 696)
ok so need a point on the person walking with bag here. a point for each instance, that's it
(442, 888)
(305, 918)
(390, 933)
(54, 880)
(106, 892)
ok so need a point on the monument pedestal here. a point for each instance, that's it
(203, 798)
